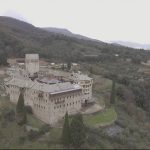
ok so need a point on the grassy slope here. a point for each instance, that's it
(101, 118)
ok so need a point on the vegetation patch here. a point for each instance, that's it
(101, 118)
(33, 121)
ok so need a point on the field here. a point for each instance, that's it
(105, 117)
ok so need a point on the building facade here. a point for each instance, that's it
(32, 63)
(49, 102)
(86, 84)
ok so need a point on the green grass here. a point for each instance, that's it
(33, 121)
(101, 89)
(101, 118)
(55, 134)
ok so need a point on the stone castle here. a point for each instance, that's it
(50, 93)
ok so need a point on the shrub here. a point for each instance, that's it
(32, 135)
(121, 139)
(45, 128)
(28, 109)
(21, 117)
(78, 131)
(10, 115)
(3, 123)
(121, 123)
(22, 139)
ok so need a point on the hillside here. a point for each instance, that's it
(133, 44)
(103, 62)
(18, 37)
(58, 30)
(68, 33)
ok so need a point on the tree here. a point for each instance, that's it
(91, 70)
(69, 65)
(44, 128)
(21, 117)
(28, 109)
(66, 132)
(3, 59)
(113, 93)
(77, 131)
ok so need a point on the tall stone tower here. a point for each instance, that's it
(32, 63)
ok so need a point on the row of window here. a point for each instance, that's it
(41, 99)
(39, 106)
(68, 104)
(86, 93)
(86, 86)
(60, 106)
(86, 90)
(73, 95)
(59, 100)
(67, 97)
(41, 94)
(13, 86)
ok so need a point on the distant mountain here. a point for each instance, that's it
(59, 30)
(68, 33)
(132, 44)
(18, 38)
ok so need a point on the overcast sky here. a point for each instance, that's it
(107, 20)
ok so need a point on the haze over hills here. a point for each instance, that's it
(133, 44)
(18, 16)
(18, 37)
(68, 33)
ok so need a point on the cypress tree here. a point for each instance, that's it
(69, 65)
(21, 117)
(66, 132)
(113, 93)
(77, 130)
